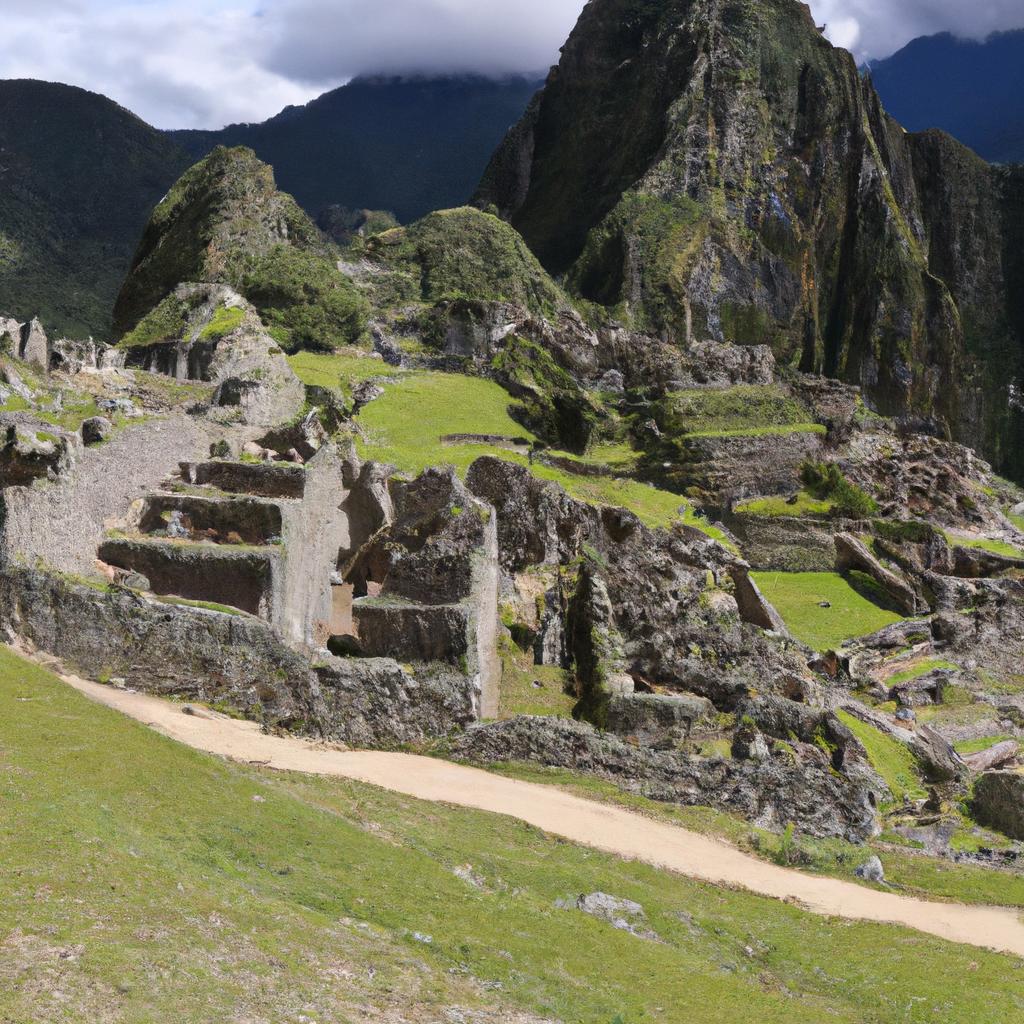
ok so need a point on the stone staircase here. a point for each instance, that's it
(260, 538)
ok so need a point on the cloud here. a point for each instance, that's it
(878, 28)
(204, 63)
(176, 63)
(314, 40)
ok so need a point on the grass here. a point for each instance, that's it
(772, 507)
(142, 881)
(995, 547)
(922, 668)
(405, 427)
(1017, 521)
(928, 877)
(889, 758)
(338, 370)
(976, 746)
(519, 695)
(798, 595)
(746, 410)
(222, 323)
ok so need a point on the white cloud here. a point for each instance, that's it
(176, 63)
(312, 40)
(204, 63)
(878, 28)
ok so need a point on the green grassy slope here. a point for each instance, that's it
(142, 881)
(798, 596)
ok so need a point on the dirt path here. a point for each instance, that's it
(600, 826)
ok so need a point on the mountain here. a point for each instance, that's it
(79, 176)
(407, 145)
(973, 90)
(225, 222)
(720, 171)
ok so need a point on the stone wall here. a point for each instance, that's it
(61, 523)
(236, 659)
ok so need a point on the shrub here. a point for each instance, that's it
(304, 301)
(825, 480)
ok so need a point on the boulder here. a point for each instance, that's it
(96, 429)
(871, 871)
(999, 802)
(753, 606)
(657, 719)
(26, 456)
(995, 757)
(33, 346)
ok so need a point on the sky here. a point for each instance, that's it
(207, 63)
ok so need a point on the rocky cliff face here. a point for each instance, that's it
(716, 169)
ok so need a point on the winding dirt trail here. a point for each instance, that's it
(611, 829)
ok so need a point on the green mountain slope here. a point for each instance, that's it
(408, 145)
(163, 884)
(79, 176)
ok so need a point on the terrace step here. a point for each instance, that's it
(238, 577)
(217, 519)
(409, 631)
(258, 479)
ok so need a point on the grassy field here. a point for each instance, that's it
(404, 428)
(995, 547)
(773, 507)
(144, 882)
(338, 371)
(798, 596)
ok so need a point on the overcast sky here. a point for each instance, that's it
(205, 63)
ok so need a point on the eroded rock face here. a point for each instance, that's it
(644, 606)
(211, 657)
(770, 792)
(999, 802)
(208, 332)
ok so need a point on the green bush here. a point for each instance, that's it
(304, 301)
(825, 480)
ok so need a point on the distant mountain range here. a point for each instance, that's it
(974, 91)
(407, 145)
(79, 175)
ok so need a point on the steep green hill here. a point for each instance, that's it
(225, 221)
(79, 175)
(720, 170)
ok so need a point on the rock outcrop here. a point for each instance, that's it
(771, 792)
(232, 659)
(224, 222)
